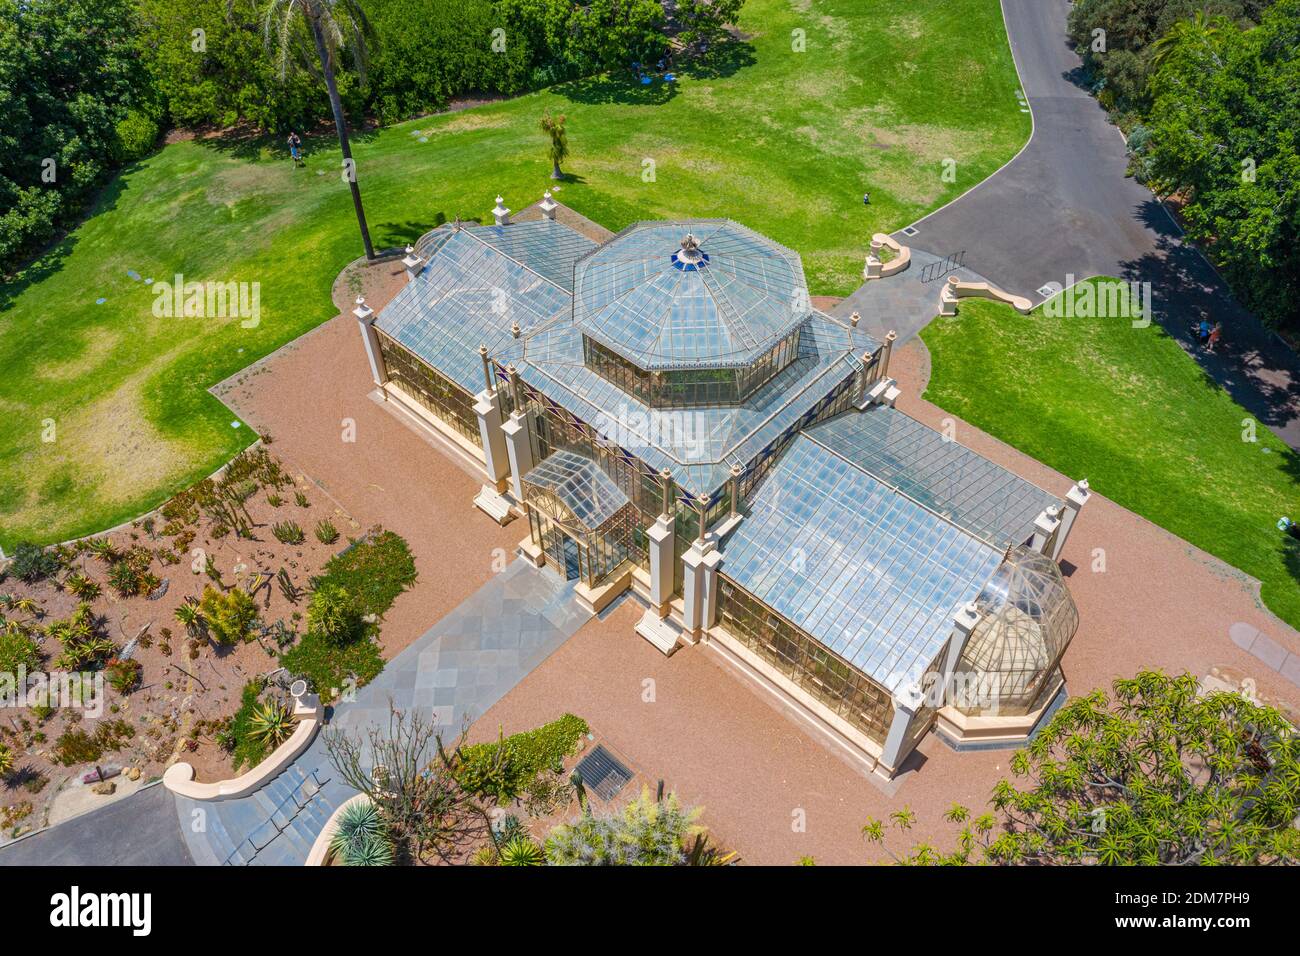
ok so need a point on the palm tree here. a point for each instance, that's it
(333, 25)
(559, 148)
(1199, 27)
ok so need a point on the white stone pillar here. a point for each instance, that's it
(662, 537)
(501, 214)
(495, 456)
(548, 205)
(963, 623)
(907, 701)
(693, 586)
(412, 263)
(520, 450)
(1045, 528)
(1074, 502)
(874, 262)
(709, 608)
(366, 320)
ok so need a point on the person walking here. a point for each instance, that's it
(295, 148)
(1215, 334)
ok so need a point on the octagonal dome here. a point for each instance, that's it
(704, 293)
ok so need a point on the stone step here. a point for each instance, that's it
(660, 632)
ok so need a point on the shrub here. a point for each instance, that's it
(237, 737)
(125, 579)
(645, 833)
(288, 532)
(18, 649)
(333, 615)
(326, 533)
(301, 500)
(134, 137)
(229, 615)
(32, 563)
(6, 761)
(327, 666)
(374, 570)
(76, 746)
(507, 768)
(123, 676)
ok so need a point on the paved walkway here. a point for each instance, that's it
(904, 303)
(139, 830)
(1064, 206)
(457, 670)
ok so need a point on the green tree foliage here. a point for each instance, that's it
(1121, 67)
(1161, 774)
(705, 21)
(506, 768)
(1223, 135)
(74, 101)
(223, 75)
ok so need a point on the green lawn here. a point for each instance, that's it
(784, 141)
(1129, 410)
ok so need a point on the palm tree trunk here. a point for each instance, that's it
(327, 67)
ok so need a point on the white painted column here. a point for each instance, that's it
(495, 455)
(1074, 502)
(661, 536)
(963, 623)
(548, 205)
(500, 214)
(693, 586)
(520, 451)
(412, 263)
(907, 701)
(1045, 528)
(709, 608)
(366, 320)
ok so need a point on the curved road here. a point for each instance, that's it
(1064, 207)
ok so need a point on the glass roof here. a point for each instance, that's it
(469, 294)
(983, 498)
(581, 486)
(547, 247)
(697, 445)
(867, 572)
(720, 306)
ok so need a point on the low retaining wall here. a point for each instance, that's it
(955, 289)
(179, 777)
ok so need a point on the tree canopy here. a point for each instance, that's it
(1160, 774)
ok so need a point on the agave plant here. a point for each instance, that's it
(103, 549)
(361, 838)
(271, 723)
(521, 851)
(326, 533)
(190, 615)
(288, 532)
(80, 585)
(6, 761)
(25, 605)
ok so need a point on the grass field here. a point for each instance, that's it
(104, 409)
(1131, 411)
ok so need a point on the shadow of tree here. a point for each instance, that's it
(720, 61)
(622, 88)
(400, 234)
(1258, 371)
(50, 260)
(244, 142)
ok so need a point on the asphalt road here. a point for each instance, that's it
(140, 830)
(1065, 208)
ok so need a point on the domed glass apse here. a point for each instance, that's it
(1027, 619)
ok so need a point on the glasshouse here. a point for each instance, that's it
(672, 417)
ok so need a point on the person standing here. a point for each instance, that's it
(295, 148)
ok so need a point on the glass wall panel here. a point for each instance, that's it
(444, 398)
(828, 678)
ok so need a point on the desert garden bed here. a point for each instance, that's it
(196, 618)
